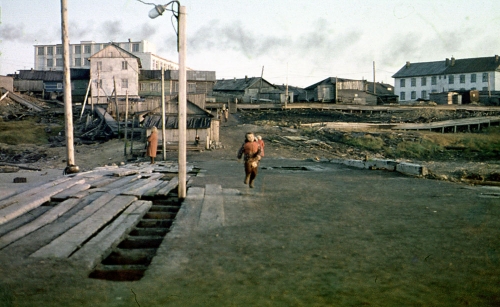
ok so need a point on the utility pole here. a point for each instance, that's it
(68, 104)
(286, 89)
(182, 103)
(164, 139)
(260, 86)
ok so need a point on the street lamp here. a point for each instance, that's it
(182, 98)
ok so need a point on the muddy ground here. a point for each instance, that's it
(281, 130)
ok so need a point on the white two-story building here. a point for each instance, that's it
(417, 80)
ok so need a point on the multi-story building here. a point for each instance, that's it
(418, 80)
(50, 57)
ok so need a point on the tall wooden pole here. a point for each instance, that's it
(126, 123)
(163, 132)
(68, 113)
(182, 103)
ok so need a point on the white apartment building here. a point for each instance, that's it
(418, 80)
(49, 57)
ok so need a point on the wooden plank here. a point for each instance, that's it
(125, 172)
(119, 183)
(172, 184)
(21, 207)
(68, 193)
(140, 190)
(101, 182)
(46, 218)
(152, 192)
(64, 245)
(212, 211)
(35, 190)
(99, 247)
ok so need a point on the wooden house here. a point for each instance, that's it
(48, 84)
(340, 90)
(199, 85)
(114, 72)
(199, 122)
(246, 90)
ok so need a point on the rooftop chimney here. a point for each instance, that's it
(452, 61)
(447, 62)
(496, 58)
(407, 64)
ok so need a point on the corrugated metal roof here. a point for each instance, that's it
(329, 80)
(449, 66)
(238, 84)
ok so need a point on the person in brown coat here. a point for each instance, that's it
(250, 151)
(152, 144)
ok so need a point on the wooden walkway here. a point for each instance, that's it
(475, 123)
(84, 215)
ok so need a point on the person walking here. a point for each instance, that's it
(152, 144)
(261, 144)
(250, 151)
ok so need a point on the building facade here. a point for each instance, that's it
(418, 80)
(50, 57)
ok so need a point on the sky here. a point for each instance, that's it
(287, 41)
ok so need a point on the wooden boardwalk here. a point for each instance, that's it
(82, 216)
(468, 124)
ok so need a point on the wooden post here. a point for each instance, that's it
(85, 99)
(116, 106)
(260, 86)
(132, 136)
(126, 123)
(68, 104)
(182, 103)
(164, 135)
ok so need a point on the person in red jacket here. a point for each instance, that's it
(250, 150)
(152, 144)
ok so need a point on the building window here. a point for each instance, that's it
(485, 88)
(87, 49)
(423, 81)
(124, 83)
(59, 50)
(50, 62)
(154, 87)
(59, 62)
(50, 50)
(87, 62)
(142, 86)
(473, 78)
(78, 49)
(97, 47)
(402, 82)
(135, 47)
(59, 86)
(41, 50)
(424, 94)
(99, 65)
(402, 96)
(124, 65)
(462, 78)
(472, 88)
(78, 62)
(191, 88)
(485, 77)
(433, 80)
(413, 82)
(451, 79)
(413, 95)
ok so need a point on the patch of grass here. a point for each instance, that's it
(366, 141)
(25, 132)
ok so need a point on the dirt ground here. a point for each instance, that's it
(337, 237)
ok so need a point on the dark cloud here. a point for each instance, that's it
(17, 33)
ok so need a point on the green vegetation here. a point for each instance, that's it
(26, 131)
(430, 145)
